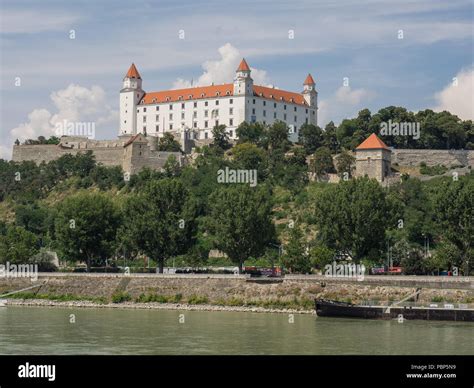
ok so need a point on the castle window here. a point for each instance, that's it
(206, 103)
(182, 116)
(167, 98)
(171, 116)
(253, 111)
(218, 94)
(306, 111)
(140, 152)
(144, 129)
(205, 135)
(284, 107)
(264, 122)
(217, 102)
(206, 113)
(295, 109)
(281, 98)
(271, 96)
(195, 124)
(171, 126)
(144, 119)
(253, 102)
(195, 104)
(190, 96)
(284, 117)
(264, 103)
(274, 104)
(231, 123)
(296, 119)
(231, 101)
(313, 112)
(206, 124)
(153, 100)
(171, 106)
(274, 115)
(138, 110)
(231, 111)
(217, 123)
(202, 96)
(195, 114)
(306, 120)
(157, 128)
(180, 98)
(228, 93)
(157, 107)
(182, 106)
(157, 117)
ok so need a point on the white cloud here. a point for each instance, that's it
(458, 97)
(222, 70)
(73, 104)
(345, 103)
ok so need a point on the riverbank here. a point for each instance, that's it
(229, 292)
(150, 306)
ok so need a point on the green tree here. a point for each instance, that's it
(172, 167)
(278, 136)
(240, 221)
(86, 227)
(353, 216)
(17, 245)
(161, 220)
(345, 164)
(220, 137)
(311, 137)
(254, 133)
(295, 257)
(322, 163)
(320, 256)
(454, 211)
(167, 143)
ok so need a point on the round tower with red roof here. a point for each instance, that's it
(130, 96)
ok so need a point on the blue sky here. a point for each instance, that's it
(79, 79)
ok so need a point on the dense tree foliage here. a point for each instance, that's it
(183, 211)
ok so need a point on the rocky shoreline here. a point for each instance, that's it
(151, 306)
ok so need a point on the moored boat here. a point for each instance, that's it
(331, 308)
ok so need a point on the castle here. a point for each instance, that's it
(195, 111)
(190, 114)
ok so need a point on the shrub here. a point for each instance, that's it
(120, 297)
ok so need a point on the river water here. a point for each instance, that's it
(42, 330)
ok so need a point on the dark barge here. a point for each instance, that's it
(330, 308)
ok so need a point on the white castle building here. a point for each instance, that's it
(195, 111)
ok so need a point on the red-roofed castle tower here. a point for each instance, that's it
(130, 96)
(373, 158)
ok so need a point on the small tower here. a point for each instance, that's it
(310, 96)
(130, 96)
(373, 158)
(243, 83)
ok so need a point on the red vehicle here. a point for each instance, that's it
(262, 271)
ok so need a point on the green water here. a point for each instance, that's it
(32, 330)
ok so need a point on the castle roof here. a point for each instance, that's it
(243, 65)
(133, 72)
(309, 80)
(133, 138)
(213, 91)
(373, 142)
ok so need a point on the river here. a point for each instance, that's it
(43, 330)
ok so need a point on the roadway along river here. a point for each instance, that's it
(40, 330)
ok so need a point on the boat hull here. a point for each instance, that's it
(326, 308)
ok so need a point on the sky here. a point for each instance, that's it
(64, 60)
